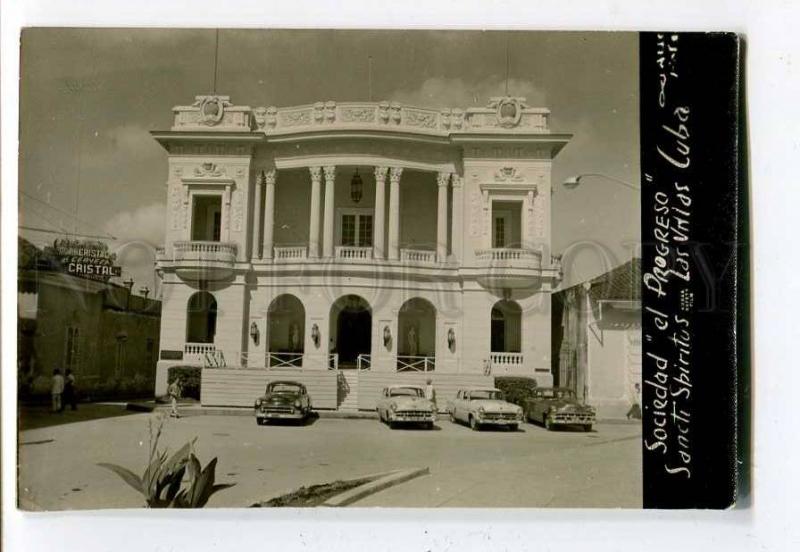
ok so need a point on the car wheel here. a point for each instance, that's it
(452, 417)
(587, 427)
(260, 421)
(392, 425)
(513, 427)
(473, 424)
(547, 423)
(428, 425)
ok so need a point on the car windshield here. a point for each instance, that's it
(405, 392)
(284, 388)
(486, 395)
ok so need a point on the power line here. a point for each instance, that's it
(34, 198)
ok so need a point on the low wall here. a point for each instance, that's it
(242, 386)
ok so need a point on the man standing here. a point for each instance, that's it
(56, 390)
(430, 393)
(69, 395)
(174, 392)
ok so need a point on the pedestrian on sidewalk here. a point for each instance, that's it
(430, 393)
(56, 390)
(635, 411)
(69, 397)
(174, 392)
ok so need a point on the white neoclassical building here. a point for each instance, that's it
(353, 244)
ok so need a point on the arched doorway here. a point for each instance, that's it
(350, 329)
(286, 319)
(201, 318)
(506, 327)
(416, 327)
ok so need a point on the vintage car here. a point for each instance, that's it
(283, 400)
(485, 406)
(405, 404)
(557, 406)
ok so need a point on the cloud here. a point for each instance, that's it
(143, 224)
(439, 92)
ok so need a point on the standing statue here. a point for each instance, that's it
(294, 337)
(413, 347)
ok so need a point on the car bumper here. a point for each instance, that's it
(401, 417)
(280, 415)
(572, 419)
(499, 421)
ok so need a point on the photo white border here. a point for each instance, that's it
(773, 62)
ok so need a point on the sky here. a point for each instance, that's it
(89, 98)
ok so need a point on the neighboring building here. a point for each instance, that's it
(315, 240)
(108, 338)
(597, 331)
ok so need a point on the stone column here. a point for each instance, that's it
(380, 209)
(313, 224)
(442, 179)
(457, 220)
(269, 214)
(327, 231)
(257, 217)
(394, 213)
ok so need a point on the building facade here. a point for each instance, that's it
(349, 243)
(597, 333)
(99, 330)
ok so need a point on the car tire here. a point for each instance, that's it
(473, 424)
(587, 427)
(453, 418)
(513, 427)
(428, 425)
(260, 421)
(392, 425)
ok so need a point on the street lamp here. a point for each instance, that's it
(574, 181)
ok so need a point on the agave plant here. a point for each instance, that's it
(162, 484)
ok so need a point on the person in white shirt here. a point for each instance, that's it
(430, 392)
(57, 390)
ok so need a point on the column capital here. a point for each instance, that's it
(458, 181)
(395, 174)
(330, 173)
(316, 173)
(380, 173)
(269, 177)
(443, 178)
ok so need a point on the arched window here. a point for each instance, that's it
(287, 325)
(350, 329)
(201, 318)
(506, 327)
(416, 327)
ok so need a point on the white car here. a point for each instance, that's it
(484, 406)
(405, 404)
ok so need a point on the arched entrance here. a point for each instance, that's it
(350, 329)
(286, 317)
(416, 327)
(201, 318)
(506, 327)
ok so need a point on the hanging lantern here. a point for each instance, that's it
(356, 187)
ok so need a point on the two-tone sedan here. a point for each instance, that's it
(557, 406)
(405, 404)
(485, 406)
(283, 400)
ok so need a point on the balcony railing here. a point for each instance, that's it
(505, 360)
(204, 250)
(502, 254)
(419, 256)
(364, 362)
(353, 253)
(407, 363)
(284, 360)
(291, 253)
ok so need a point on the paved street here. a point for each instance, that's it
(529, 468)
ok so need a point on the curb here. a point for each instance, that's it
(187, 411)
(390, 480)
